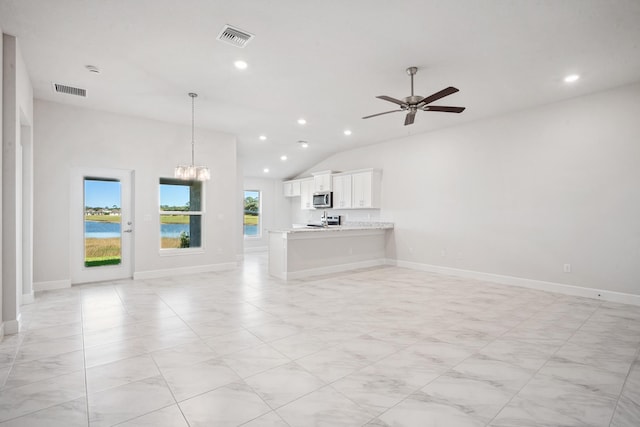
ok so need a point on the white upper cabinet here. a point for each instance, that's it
(341, 191)
(365, 189)
(358, 189)
(322, 181)
(291, 188)
(306, 193)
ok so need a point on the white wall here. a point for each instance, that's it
(66, 137)
(275, 209)
(17, 113)
(521, 194)
(1, 181)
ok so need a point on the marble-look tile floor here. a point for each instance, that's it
(377, 347)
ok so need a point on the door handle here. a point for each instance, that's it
(130, 230)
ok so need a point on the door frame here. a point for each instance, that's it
(80, 273)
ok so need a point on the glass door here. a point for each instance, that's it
(101, 225)
(102, 222)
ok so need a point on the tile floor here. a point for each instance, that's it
(377, 347)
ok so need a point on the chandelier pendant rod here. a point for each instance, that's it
(193, 113)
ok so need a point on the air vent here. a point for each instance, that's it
(69, 90)
(235, 36)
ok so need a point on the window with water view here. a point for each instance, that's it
(251, 213)
(180, 214)
(102, 222)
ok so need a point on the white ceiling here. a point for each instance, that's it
(323, 60)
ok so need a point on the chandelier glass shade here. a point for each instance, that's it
(192, 172)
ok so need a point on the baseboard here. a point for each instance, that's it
(540, 285)
(181, 271)
(256, 249)
(12, 326)
(28, 298)
(51, 285)
(332, 269)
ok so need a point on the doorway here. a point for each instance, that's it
(101, 225)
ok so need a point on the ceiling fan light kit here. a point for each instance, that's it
(413, 103)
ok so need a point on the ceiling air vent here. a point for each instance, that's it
(235, 36)
(69, 90)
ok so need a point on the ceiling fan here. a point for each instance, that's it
(414, 103)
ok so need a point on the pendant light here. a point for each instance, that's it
(192, 172)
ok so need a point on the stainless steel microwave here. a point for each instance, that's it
(323, 200)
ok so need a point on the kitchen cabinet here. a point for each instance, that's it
(341, 191)
(365, 189)
(306, 193)
(322, 181)
(291, 188)
(357, 189)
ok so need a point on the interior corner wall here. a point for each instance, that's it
(1, 173)
(274, 212)
(239, 204)
(67, 137)
(17, 113)
(520, 195)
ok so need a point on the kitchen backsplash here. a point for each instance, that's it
(360, 215)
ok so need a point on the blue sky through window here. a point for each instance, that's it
(100, 194)
(174, 195)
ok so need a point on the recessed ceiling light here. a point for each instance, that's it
(303, 144)
(347, 132)
(241, 65)
(263, 137)
(265, 170)
(302, 121)
(283, 158)
(571, 78)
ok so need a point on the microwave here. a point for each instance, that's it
(323, 200)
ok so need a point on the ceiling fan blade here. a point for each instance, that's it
(379, 114)
(390, 99)
(443, 109)
(444, 92)
(411, 116)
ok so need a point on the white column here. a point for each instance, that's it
(10, 233)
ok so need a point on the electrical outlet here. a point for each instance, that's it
(567, 268)
(443, 253)
(410, 250)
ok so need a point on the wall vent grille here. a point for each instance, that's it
(69, 90)
(235, 36)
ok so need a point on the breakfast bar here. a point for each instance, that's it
(308, 251)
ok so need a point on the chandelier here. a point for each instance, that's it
(192, 172)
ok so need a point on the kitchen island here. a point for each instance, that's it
(308, 251)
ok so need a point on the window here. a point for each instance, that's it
(252, 210)
(102, 224)
(180, 214)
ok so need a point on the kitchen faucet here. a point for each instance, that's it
(323, 219)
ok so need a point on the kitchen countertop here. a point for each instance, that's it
(349, 226)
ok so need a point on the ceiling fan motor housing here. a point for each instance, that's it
(414, 99)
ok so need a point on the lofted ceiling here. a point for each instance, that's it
(325, 61)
